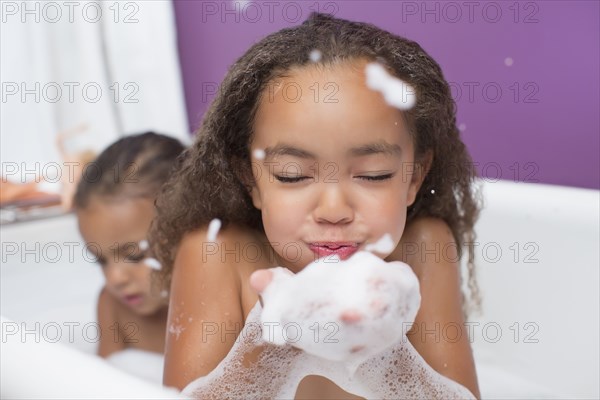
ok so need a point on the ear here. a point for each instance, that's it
(255, 195)
(246, 177)
(422, 167)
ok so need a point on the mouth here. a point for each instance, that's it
(133, 299)
(341, 249)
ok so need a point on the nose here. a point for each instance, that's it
(333, 206)
(117, 275)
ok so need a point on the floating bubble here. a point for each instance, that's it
(315, 56)
(152, 263)
(259, 154)
(143, 245)
(242, 3)
(213, 229)
(396, 92)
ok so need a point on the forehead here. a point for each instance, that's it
(327, 110)
(106, 222)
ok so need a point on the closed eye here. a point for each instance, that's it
(376, 178)
(135, 258)
(290, 179)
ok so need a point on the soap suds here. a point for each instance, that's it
(213, 230)
(315, 55)
(152, 263)
(176, 330)
(259, 154)
(396, 92)
(351, 317)
(385, 245)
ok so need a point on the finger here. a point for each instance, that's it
(259, 280)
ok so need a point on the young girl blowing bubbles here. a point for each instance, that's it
(306, 153)
(114, 203)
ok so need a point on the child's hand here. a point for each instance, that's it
(370, 303)
(344, 311)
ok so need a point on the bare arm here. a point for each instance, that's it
(110, 341)
(438, 333)
(205, 318)
(205, 314)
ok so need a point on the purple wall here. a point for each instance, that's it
(533, 120)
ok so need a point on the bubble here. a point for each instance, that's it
(396, 92)
(152, 263)
(315, 56)
(462, 127)
(508, 61)
(259, 154)
(213, 230)
(242, 3)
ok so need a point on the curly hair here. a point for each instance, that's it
(211, 181)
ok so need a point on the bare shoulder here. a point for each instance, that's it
(427, 228)
(205, 311)
(427, 243)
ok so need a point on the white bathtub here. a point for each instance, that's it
(538, 336)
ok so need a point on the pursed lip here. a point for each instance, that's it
(342, 249)
(133, 299)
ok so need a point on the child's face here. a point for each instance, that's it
(321, 121)
(113, 230)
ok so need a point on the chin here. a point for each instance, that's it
(149, 310)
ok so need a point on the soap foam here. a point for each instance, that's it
(259, 154)
(315, 55)
(339, 306)
(213, 230)
(396, 92)
(382, 295)
(152, 263)
(141, 363)
(385, 245)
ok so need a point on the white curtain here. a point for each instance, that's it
(110, 66)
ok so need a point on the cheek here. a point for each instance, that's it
(142, 276)
(283, 213)
(385, 212)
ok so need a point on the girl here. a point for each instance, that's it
(299, 158)
(114, 203)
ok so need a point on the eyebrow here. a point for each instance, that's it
(367, 149)
(376, 148)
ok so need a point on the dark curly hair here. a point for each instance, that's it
(133, 166)
(212, 180)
